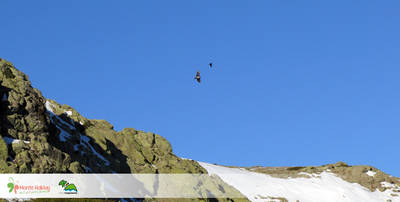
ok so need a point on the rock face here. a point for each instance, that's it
(42, 136)
(23, 117)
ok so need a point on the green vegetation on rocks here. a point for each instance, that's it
(53, 138)
(3, 157)
(88, 145)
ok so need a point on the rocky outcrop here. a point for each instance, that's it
(23, 117)
(38, 135)
(46, 137)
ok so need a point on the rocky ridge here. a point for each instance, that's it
(38, 135)
(46, 137)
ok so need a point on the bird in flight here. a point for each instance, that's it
(197, 77)
(210, 64)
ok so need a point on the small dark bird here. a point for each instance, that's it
(197, 77)
(210, 64)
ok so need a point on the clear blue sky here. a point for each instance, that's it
(295, 82)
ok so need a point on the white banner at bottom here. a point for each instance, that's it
(115, 186)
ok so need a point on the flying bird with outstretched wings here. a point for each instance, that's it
(197, 77)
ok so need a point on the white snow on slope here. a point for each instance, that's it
(64, 135)
(309, 174)
(370, 173)
(9, 140)
(86, 140)
(327, 187)
(48, 106)
(388, 185)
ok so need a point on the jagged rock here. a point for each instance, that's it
(46, 137)
(22, 117)
(61, 140)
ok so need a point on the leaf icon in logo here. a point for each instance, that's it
(62, 183)
(11, 186)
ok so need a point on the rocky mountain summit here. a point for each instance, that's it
(39, 135)
(42, 136)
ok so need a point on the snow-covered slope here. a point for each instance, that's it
(325, 187)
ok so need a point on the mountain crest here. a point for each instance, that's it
(41, 136)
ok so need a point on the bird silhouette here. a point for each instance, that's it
(197, 77)
(211, 64)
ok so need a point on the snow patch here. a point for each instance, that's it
(49, 108)
(9, 140)
(328, 187)
(65, 135)
(309, 174)
(64, 123)
(388, 185)
(370, 173)
(86, 140)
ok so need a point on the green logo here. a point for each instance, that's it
(68, 188)
(11, 184)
